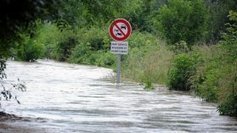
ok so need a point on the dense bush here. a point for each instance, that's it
(183, 67)
(57, 42)
(215, 78)
(65, 45)
(207, 80)
(84, 45)
(49, 35)
(228, 93)
(29, 49)
(93, 48)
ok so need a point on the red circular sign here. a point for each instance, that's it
(120, 29)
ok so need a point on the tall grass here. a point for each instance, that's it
(216, 78)
(148, 61)
(208, 72)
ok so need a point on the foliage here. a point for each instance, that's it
(216, 76)
(148, 85)
(218, 11)
(228, 93)
(147, 9)
(28, 49)
(17, 15)
(229, 39)
(180, 47)
(182, 20)
(49, 35)
(83, 13)
(65, 45)
(148, 60)
(87, 46)
(205, 80)
(183, 67)
(93, 48)
(47, 41)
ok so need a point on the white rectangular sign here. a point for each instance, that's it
(119, 47)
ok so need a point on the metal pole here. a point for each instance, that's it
(118, 68)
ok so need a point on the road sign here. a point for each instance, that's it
(119, 47)
(120, 29)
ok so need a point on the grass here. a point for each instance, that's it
(150, 66)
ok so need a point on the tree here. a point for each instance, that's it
(218, 10)
(16, 15)
(182, 20)
(81, 13)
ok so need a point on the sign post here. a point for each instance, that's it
(118, 68)
(119, 30)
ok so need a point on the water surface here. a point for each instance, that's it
(66, 98)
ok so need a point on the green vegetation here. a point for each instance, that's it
(148, 60)
(182, 20)
(189, 45)
(29, 49)
(183, 67)
(16, 16)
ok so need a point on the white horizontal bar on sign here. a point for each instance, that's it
(117, 47)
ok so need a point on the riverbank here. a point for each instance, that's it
(209, 72)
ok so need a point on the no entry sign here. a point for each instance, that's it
(120, 29)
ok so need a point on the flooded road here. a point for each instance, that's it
(66, 98)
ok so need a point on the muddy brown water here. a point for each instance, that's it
(68, 98)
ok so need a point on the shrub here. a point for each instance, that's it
(106, 59)
(205, 80)
(49, 35)
(80, 53)
(58, 43)
(208, 87)
(180, 47)
(183, 67)
(43, 43)
(93, 48)
(29, 49)
(228, 92)
(216, 77)
(65, 46)
(228, 82)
